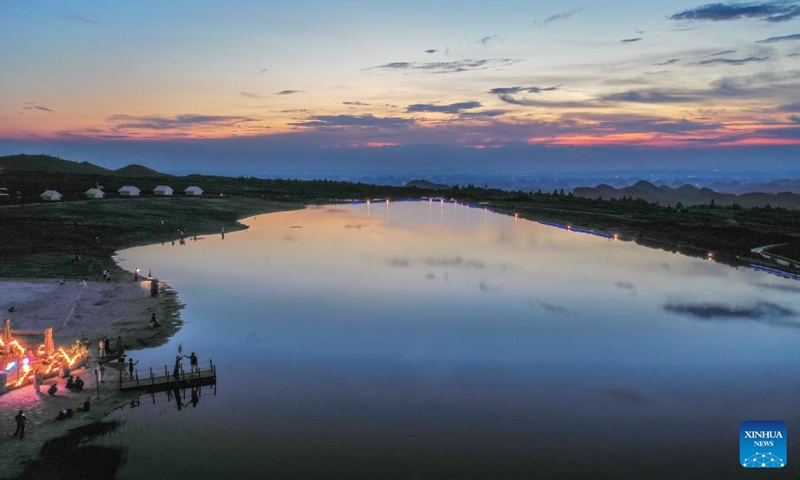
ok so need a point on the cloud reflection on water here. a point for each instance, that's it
(780, 288)
(550, 307)
(766, 313)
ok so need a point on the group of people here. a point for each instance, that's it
(104, 348)
(74, 384)
(176, 373)
(38, 381)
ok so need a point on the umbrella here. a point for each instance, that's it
(7, 331)
(49, 347)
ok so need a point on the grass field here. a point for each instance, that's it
(41, 240)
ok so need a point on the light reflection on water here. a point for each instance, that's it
(425, 339)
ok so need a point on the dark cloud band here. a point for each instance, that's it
(775, 11)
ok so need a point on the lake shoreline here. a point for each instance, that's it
(112, 309)
(120, 307)
(22, 451)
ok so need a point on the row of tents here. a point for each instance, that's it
(126, 191)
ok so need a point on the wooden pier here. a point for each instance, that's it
(159, 381)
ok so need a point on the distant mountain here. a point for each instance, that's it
(688, 195)
(774, 186)
(50, 164)
(138, 171)
(426, 185)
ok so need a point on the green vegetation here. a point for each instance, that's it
(40, 239)
(729, 232)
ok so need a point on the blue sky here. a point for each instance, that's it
(310, 84)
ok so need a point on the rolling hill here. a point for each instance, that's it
(138, 171)
(49, 164)
(427, 185)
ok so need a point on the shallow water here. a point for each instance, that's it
(433, 340)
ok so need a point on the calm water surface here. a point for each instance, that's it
(433, 340)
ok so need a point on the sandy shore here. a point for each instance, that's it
(73, 309)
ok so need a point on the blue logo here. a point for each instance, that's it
(762, 444)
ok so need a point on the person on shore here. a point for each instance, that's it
(36, 384)
(100, 372)
(86, 406)
(71, 383)
(176, 372)
(20, 419)
(106, 346)
(66, 413)
(154, 322)
(193, 362)
(102, 348)
(52, 390)
(131, 363)
(78, 384)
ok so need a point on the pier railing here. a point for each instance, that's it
(155, 377)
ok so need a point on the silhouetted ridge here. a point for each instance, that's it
(688, 195)
(138, 171)
(49, 164)
(426, 185)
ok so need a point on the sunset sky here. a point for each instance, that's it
(268, 82)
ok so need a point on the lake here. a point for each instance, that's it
(434, 340)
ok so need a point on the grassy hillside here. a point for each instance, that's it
(41, 240)
(50, 164)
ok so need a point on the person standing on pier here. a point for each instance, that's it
(131, 363)
(102, 348)
(176, 373)
(193, 362)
